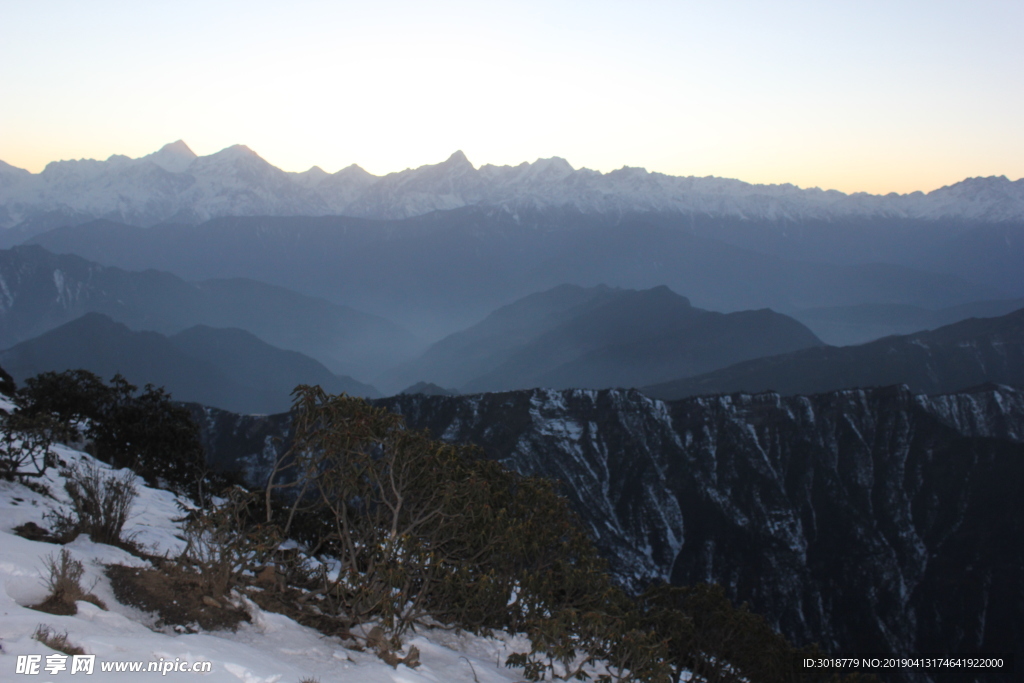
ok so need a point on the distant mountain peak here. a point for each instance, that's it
(557, 163)
(458, 158)
(232, 161)
(237, 151)
(94, 317)
(641, 171)
(664, 292)
(178, 147)
(314, 172)
(550, 169)
(354, 170)
(175, 157)
(94, 322)
(13, 170)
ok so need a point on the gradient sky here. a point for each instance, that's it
(856, 96)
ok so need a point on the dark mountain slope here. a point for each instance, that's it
(988, 251)
(847, 517)
(271, 372)
(599, 337)
(849, 325)
(713, 341)
(965, 354)
(96, 343)
(461, 357)
(868, 521)
(346, 340)
(640, 335)
(230, 369)
(42, 290)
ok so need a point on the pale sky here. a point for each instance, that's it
(855, 96)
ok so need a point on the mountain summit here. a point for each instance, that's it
(458, 158)
(175, 157)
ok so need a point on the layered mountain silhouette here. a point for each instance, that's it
(848, 325)
(44, 290)
(792, 248)
(598, 337)
(226, 368)
(445, 271)
(958, 356)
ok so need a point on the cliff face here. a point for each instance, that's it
(867, 521)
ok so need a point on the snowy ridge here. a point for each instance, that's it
(988, 412)
(175, 185)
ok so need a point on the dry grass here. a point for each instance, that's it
(176, 596)
(56, 641)
(63, 580)
(34, 532)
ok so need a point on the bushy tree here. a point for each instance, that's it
(69, 396)
(421, 527)
(25, 445)
(25, 438)
(149, 434)
(387, 503)
(143, 430)
(718, 642)
(7, 385)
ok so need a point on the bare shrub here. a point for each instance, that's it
(221, 544)
(64, 574)
(100, 505)
(387, 649)
(56, 641)
(63, 580)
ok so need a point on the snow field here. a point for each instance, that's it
(272, 648)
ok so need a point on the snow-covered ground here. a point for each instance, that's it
(271, 648)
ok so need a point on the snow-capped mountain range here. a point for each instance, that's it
(175, 185)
